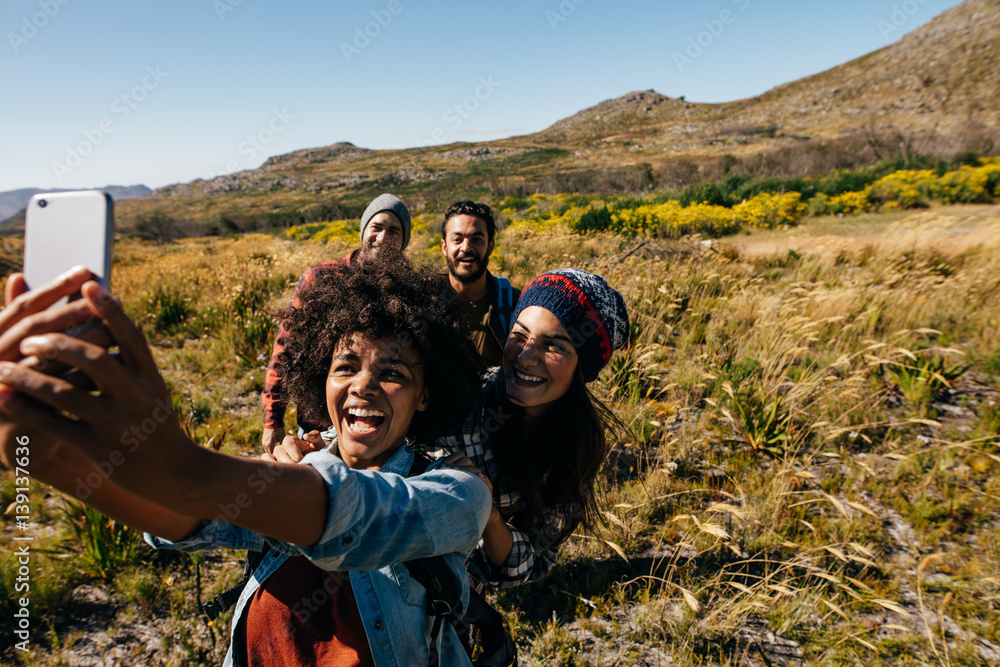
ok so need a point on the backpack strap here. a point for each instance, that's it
(498, 648)
(443, 593)
(505, 303)
(438, 580)
(420, 464)
(224, 601)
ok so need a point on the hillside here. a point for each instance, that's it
(944, 76)
(937, 90)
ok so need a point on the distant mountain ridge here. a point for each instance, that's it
(935, 90)
(942, 77)
(13, 202)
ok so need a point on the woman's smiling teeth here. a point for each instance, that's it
(533, 379)
(363, 421)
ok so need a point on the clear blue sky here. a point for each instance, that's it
(96, 92)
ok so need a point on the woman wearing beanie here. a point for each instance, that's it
(537, 432)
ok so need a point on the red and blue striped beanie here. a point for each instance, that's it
(592, 312)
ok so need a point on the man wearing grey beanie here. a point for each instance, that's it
(385, 227)
(386, 220)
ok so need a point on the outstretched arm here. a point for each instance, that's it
(131, 423)
(79, 477)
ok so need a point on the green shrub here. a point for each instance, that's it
(705, 193)
(595, 220)
(105, 546)
(166, 309)
(923, 381)
(249, 326)
(739, 372)
(762, 418)
(992, 363)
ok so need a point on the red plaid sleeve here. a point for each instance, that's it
(270, 398)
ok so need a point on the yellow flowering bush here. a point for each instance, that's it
(899, 190)
(645, 219)
(668, 218)
(325, 232)
(538, 224)
(906, 188)
(303, 232)
(768, 210)
(701, 218)
(550, 211)
(969, 184)
(342, 230)
(847, 203)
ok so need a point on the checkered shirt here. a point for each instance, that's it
(534, 552)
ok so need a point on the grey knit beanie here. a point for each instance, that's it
(387, 202)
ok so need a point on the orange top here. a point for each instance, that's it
(303, 615)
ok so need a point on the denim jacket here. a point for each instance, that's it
(375, 523)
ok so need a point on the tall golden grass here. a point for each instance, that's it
(813, 471)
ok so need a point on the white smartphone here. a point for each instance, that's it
(66, 229)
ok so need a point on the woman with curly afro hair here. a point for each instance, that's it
(373, 348)
(382, 298)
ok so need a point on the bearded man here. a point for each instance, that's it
(467, 237)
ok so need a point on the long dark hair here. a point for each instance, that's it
(554, 462)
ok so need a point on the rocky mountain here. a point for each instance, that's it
(942, 77)
(935, 90)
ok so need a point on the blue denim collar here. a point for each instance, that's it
(398, 463)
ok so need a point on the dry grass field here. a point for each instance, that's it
(812, 474)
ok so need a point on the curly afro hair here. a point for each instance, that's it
(377, 297)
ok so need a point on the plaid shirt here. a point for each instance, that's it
(534, 552)
(274, 407)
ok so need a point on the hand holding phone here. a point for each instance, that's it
(67, 229)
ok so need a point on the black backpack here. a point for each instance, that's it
(497, 648)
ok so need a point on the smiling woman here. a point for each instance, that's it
(539, 360)
(375, 388)
(343, 528)
(537, 431)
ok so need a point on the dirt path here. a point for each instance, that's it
(948, 229)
